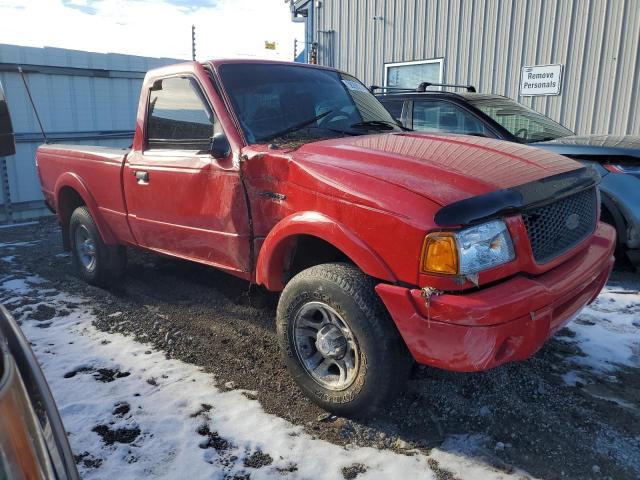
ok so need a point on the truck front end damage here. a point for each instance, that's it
(562, 257)
(504, 322)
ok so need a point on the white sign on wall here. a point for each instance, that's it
(541, 80)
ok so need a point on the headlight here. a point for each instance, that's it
(467, 251)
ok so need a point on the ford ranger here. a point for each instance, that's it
(386, 245)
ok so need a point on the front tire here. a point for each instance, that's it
(339, 342)
(97, 263)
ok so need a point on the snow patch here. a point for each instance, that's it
(607, 331)
(15, 225)
(17, 286)
(572, 378)
(12, 245)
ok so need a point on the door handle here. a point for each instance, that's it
(142, 177)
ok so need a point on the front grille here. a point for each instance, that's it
(557, 227)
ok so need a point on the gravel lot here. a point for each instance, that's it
(554, 416)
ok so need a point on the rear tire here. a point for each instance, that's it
(338, 341)
(97, 263)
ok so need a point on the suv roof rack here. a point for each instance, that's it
(423, 86)
(373, 88)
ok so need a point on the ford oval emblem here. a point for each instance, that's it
(572, 221)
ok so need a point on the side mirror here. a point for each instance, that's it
(7, 137)
(220, 147)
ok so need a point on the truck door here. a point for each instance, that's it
(180, 200)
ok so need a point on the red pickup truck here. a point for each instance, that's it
(386, 245)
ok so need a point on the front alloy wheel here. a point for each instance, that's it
(326, 346)
(338, 341)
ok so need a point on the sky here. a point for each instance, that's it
(155, 28)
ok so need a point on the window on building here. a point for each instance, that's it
(411, 74)
(443, 116)
(179, 116)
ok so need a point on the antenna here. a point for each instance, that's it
(33, 105)
(193, 43)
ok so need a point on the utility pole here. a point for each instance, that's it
(193, 43)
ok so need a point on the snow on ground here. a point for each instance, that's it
(607, 331)
(13, 245)
(17, 225)
(132, 413)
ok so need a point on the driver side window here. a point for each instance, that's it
(178, 116)
(443, 116)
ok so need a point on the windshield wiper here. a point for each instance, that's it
(344, 132)
(379, 124)
(296, 127)
(542, 139)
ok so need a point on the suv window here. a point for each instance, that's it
(522, 122)
(443, 116)
(394, 107)
(178, 116)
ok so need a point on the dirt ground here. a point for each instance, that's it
(535, 421)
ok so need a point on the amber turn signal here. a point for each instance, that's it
(439, 254)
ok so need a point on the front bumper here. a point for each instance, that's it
(506, 322)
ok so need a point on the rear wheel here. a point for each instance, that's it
(338, 341)
(97, 263)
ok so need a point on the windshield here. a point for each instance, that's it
(296, 103)
(526, 125)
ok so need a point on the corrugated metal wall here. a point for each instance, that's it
(82, 97)
(486, 42)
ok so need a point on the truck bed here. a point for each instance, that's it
(86, 151)
(92, 170)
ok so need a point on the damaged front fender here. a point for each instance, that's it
(277, 247)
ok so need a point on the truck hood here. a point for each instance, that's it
(442, 168)
(595, 145)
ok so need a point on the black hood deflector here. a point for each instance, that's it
(515, 199)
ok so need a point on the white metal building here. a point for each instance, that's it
(81, 97)
(492, 44)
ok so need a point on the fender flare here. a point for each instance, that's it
(73, 181)
(278, 243)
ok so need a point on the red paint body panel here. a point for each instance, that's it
(94, 173)
(372, 197)
(502, 323)
(191, 207)
(270, 265)
(443, 168)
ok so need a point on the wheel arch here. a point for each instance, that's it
(71, 193)
(611, 213)
(280, 247)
